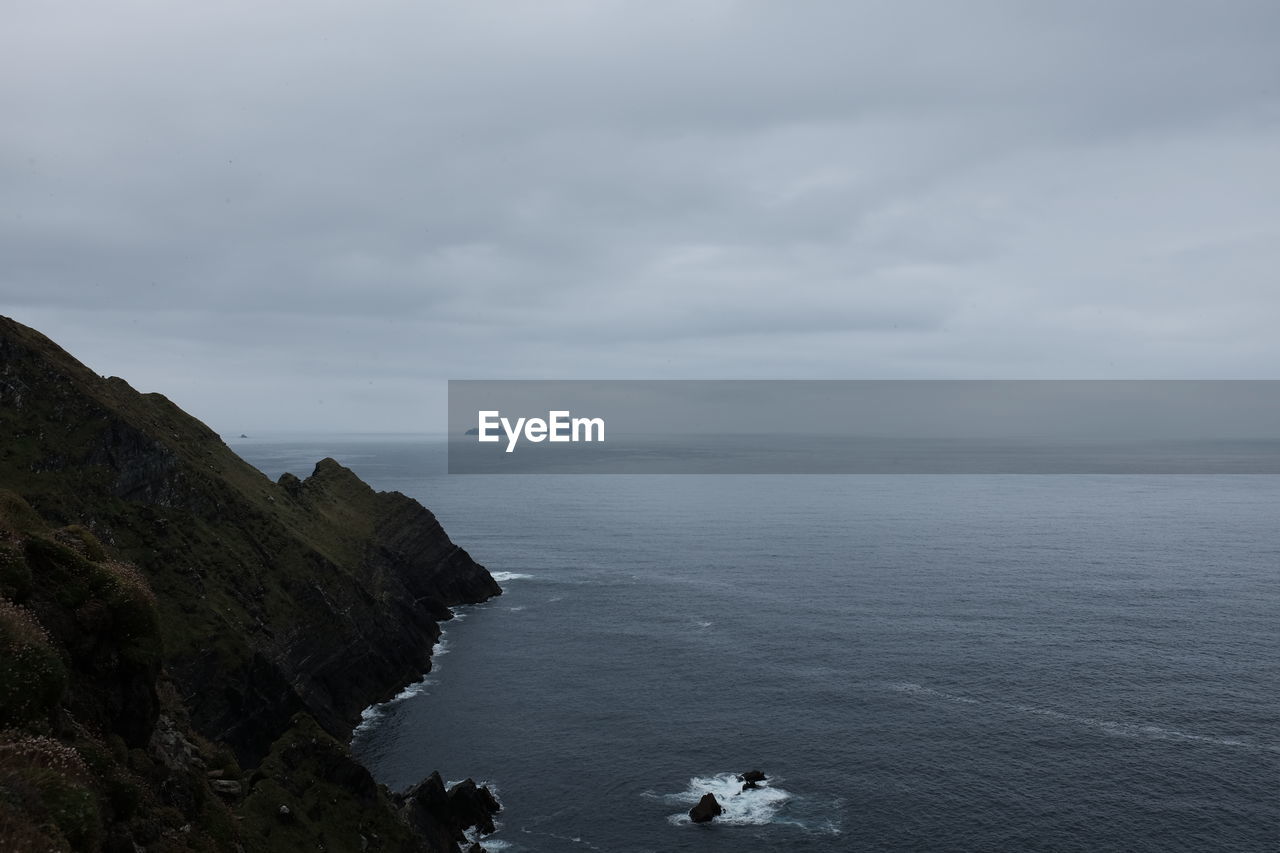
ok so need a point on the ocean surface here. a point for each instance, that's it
(936, 663)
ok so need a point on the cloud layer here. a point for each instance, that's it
(310, 215)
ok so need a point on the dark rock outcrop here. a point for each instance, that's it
(751, 779)
(473, 806)
(445, 816)
(707, 809)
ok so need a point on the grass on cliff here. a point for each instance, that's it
(63, 788)
(230, 565)
(332, 803)
(245, 552)
(71, 617)
(33, 677)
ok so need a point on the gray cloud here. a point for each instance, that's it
(258, 209)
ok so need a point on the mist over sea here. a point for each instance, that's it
(951, 663)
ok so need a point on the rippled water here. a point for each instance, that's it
(936, 663)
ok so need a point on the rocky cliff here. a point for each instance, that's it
(264, 617)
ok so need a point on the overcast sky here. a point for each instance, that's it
(309, 215)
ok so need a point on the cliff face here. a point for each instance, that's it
(279, 607)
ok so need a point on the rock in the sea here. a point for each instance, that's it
(473, 805)
(443, 816)
(707, 808)
(751, 779)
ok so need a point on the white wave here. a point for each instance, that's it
(503, 577)
(919, 690)
(573, 839)
(1110, 727)
(750, 807)
(491, 844)
(370, 716)
(415, 689)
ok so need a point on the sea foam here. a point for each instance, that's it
(752, 807)
(503, 577)
(370, 716)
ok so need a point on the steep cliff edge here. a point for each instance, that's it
(281, 609)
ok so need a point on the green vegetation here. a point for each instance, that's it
(154, 587)
(59, 788)
(330, 802)
(32, 676)
(15, 575)
(53, 786)
(64, 789)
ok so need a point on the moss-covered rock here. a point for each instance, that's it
(49, 781)
(78, 537)
(15, 574)
(32, 675)
(16, 515)
(329, 801)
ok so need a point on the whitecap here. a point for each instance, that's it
(503, 577)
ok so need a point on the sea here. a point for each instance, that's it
(916, 662)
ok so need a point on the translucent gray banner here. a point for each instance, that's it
(864, 427)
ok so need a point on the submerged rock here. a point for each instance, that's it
(707, 809)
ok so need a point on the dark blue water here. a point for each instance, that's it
(918, 662)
